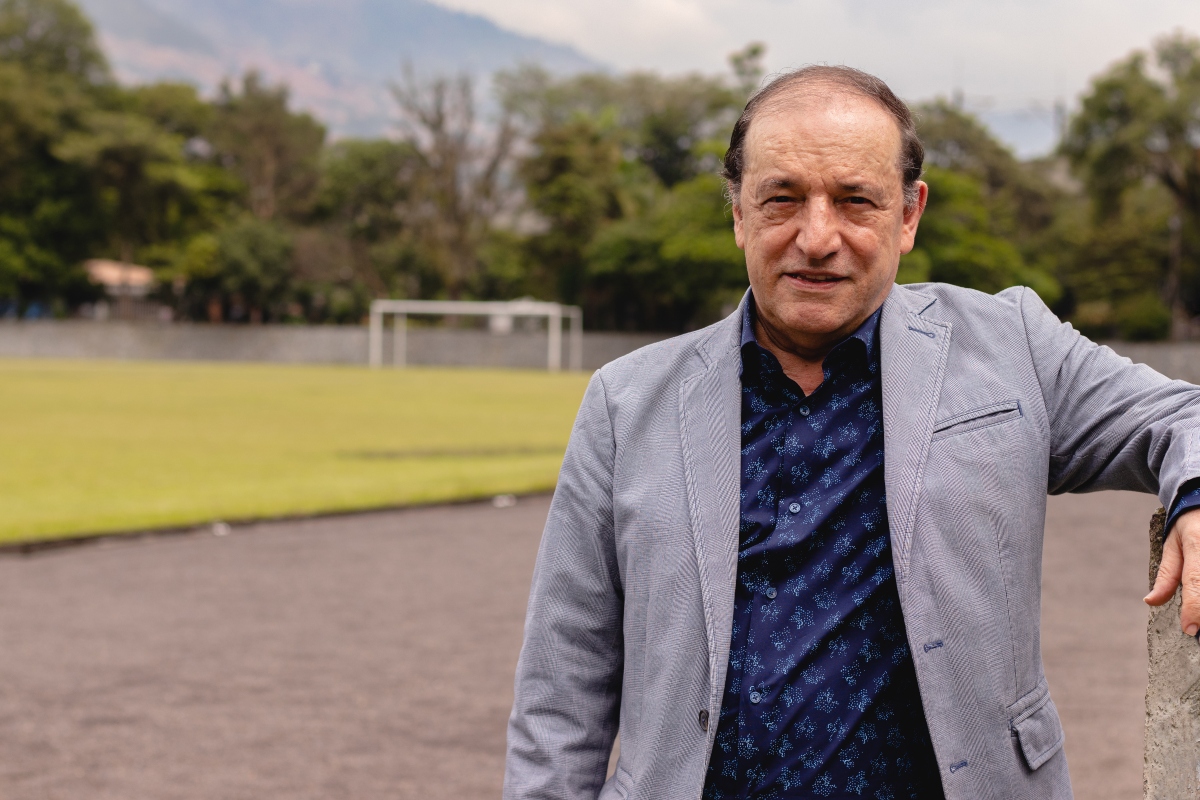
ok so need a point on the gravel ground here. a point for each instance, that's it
(371, 656)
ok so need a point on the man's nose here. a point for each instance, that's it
(819, 236)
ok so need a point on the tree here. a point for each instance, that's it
(177, 108)
(51, 37)
(273, 150)
(1135, 125)
(627, 212)
(986, 220)
(242, 272)
(956, 242)
(675, 266)
(748, 68)
(573, 181)
(52, 75)
(461, 185)
(366, 191)
(143, 185)
(668, 124)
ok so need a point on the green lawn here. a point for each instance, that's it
(89, 447)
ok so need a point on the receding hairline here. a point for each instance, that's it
(788, 96)
(811, 85)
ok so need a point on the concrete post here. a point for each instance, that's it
(1172, 756)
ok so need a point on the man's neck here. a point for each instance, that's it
(805, 367)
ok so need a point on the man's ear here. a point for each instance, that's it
(739, 234)
(912, 218)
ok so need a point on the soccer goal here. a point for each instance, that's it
(500, 314)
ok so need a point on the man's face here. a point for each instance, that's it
(821, 215)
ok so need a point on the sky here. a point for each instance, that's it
(1012, 60)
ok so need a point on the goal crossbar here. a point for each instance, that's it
(554, 313)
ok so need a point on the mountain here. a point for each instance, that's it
(337, 56)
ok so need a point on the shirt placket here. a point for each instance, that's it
(759, 696)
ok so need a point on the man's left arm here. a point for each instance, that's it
(1119, 425)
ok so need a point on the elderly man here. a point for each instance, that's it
(797, 554)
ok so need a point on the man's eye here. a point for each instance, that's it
(781, 199)
(857, 201)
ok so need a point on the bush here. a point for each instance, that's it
(1143, 318)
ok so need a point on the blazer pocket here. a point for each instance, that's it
(992, 414)
(1036, 726)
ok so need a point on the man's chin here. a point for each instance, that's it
(811, 321)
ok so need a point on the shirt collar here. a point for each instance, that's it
(867, 333)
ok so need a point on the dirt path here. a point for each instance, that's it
(372, 656)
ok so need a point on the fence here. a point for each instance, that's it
(329, 344)
(298, 344)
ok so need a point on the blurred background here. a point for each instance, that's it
(286, 161)
(200, 200)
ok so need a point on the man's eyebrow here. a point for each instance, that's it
(776, 183)
(861, 187)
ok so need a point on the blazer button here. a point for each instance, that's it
(704, 720)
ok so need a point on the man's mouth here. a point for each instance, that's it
(814, 279)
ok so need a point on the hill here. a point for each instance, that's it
(337, 57)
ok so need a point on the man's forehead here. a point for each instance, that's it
(824, 100)
(824, 119)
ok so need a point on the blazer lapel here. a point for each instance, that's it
(710, 430)
(913, 350)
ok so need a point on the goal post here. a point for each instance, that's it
(401, 310)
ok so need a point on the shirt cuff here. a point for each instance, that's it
(1187, 499)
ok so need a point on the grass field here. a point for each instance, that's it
(91, 447)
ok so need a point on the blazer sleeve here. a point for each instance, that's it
(567, 691)
(1114, 424)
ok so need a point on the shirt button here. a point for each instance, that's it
(804, 412)
(794, 508)
(704, 720)
(755, 697)
(770, 593)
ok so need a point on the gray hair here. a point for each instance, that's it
(912, 152)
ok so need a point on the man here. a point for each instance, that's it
(797, 554)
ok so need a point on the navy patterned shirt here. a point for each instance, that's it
(821, 698)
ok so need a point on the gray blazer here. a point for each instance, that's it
(989, 403)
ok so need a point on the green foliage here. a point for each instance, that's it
(574, 182)
(984, 224)
(672, 267)
(273, 150)
(51, 76)
(957, 241)
(632, 220)
(365, 190)
(143, 188)
(1137, 125)
(364, 183)
(176, 107)
(51, 37)
(1143, 317)
(242, 272)
(664, 123)
(21, 258)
